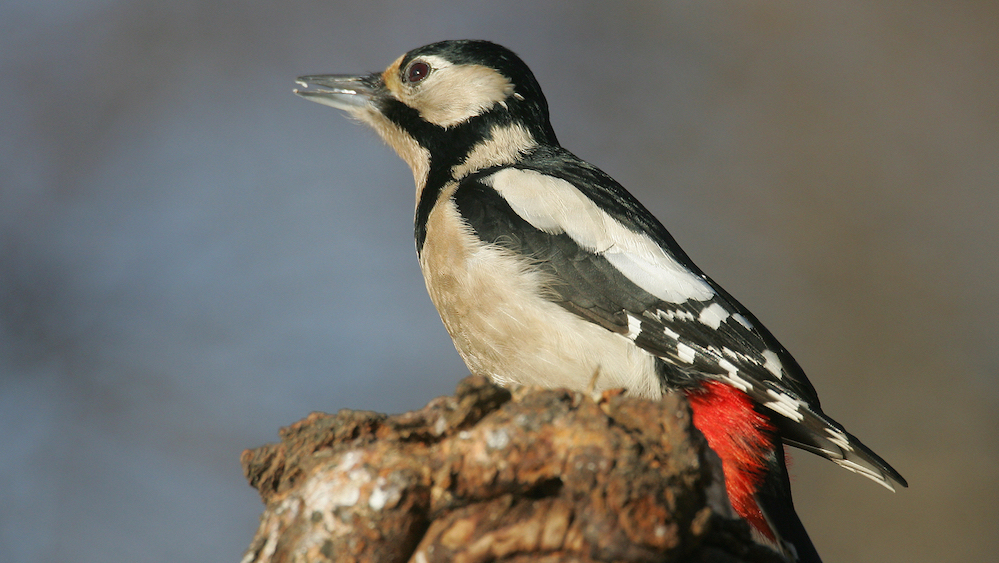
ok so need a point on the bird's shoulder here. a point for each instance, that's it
(610, 261)
(617, 265)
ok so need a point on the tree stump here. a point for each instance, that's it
(494, 475)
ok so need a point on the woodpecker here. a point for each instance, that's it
(546, 272)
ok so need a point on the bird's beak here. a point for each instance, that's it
(349, 93)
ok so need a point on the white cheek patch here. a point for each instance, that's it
(556, 206)
(452, 94)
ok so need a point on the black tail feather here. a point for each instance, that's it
(774, 499)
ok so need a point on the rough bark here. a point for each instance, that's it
(490, 475)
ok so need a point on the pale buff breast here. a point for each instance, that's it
(492, 303)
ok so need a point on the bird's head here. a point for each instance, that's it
(438, 102)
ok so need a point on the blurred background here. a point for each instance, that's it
(191, 257)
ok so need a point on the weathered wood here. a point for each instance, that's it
(490, 475)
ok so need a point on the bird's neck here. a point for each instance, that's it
(461, 153)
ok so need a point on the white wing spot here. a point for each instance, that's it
(685, 353)
(735, 381)
(876, 476)
(730, 353)
(786, 405)
(773, 364)
(733, 376)
(634, 327)
(713, 316)
(674, 315)
(743, 321)
(728, 366)
(839, 438)
(671, 334)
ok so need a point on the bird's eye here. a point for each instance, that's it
(417, 72)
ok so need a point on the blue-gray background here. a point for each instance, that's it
(192, 257)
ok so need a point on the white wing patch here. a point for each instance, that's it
(733, 378)
(839, 438)
(673, 315)
(556, 206)
(786, 405)
(553, 206)
(659, 275)
(684, 352)
(713, 316)
(772, 363)
(743, 321)
(634, 327)
(876, 476)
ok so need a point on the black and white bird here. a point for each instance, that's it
(546, 271)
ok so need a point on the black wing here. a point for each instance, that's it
(714, 337)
